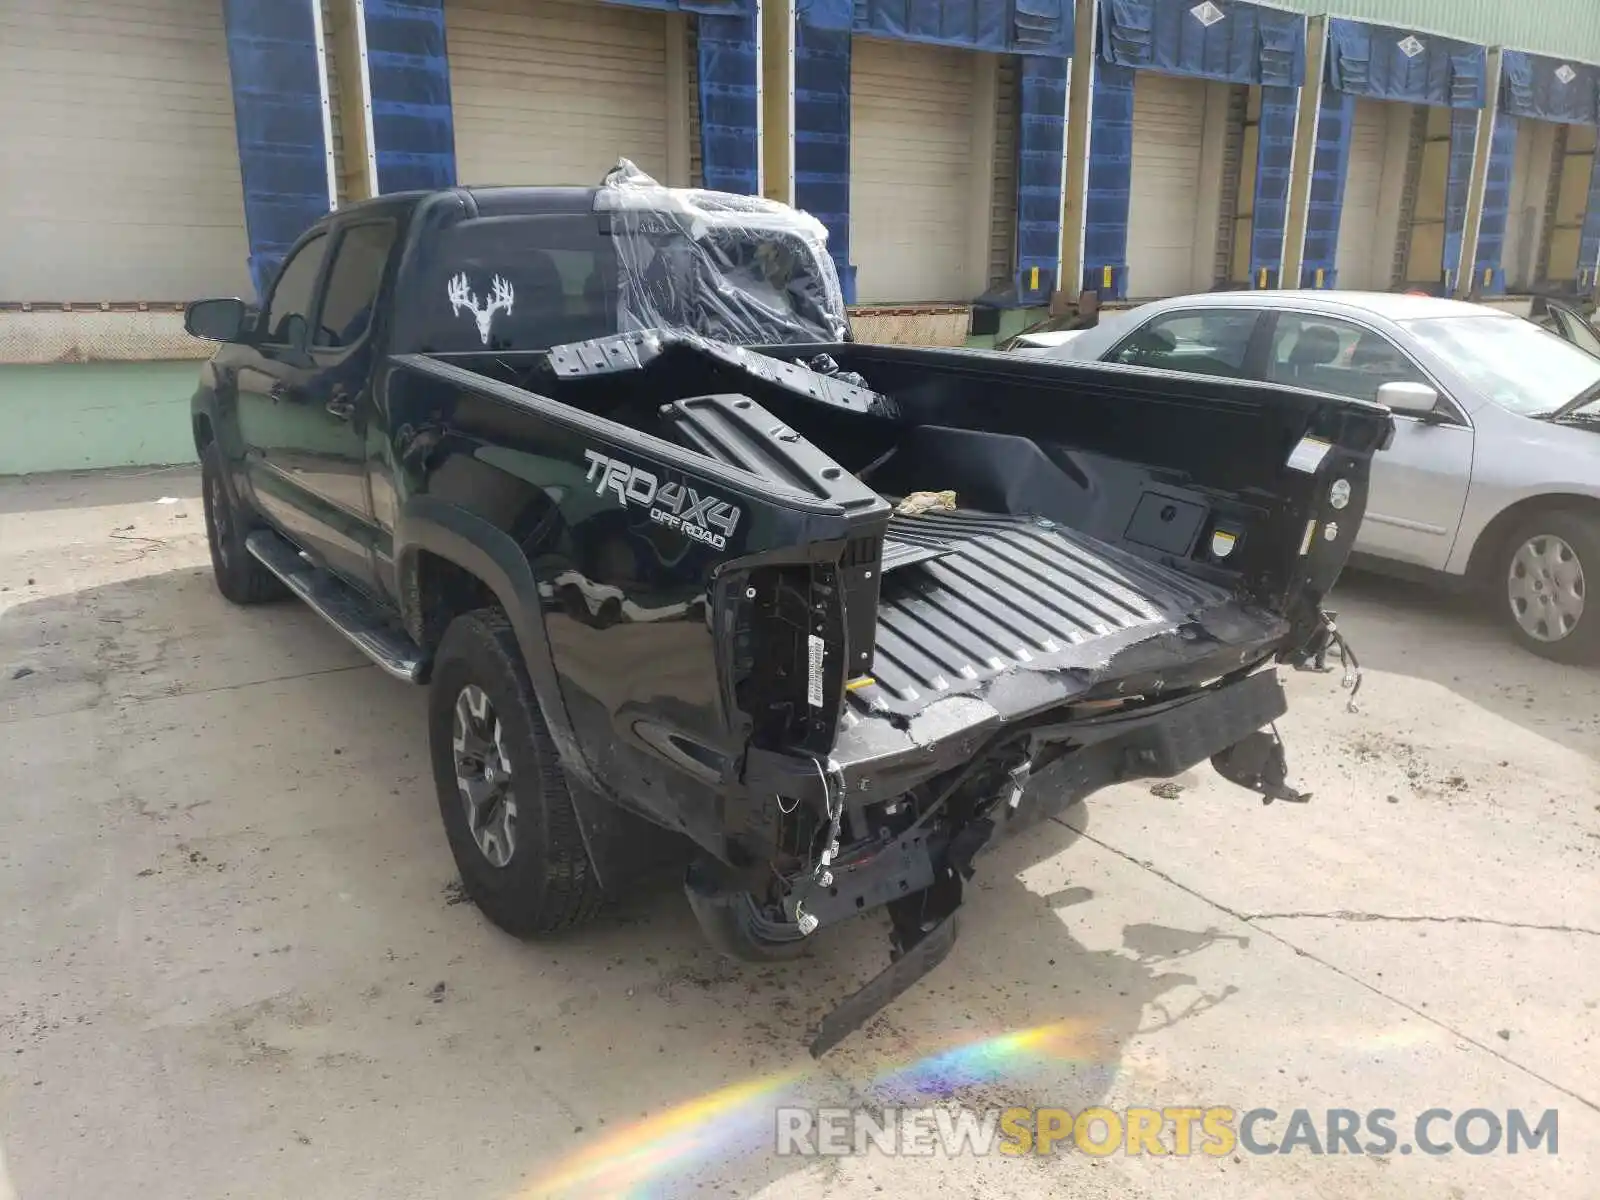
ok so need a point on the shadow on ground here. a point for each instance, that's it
(1457, 642)
(1020, 1014)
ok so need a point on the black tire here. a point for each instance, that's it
(738, 927)
(546, 881)
(1558, 534)
(240, 576)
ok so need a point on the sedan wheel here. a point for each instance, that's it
(1546, 588)
(1549, 564)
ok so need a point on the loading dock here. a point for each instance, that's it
(1183, 94)
(1394, 152)
(1537, 232)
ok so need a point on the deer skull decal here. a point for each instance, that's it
(499, 301)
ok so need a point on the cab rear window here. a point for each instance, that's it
(510, 284)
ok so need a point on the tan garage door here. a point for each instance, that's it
(555, 91)
(1564, 215)
(1363, 264)
(119, 160)
(1168, 126)
(1531, 170)
(911, 124)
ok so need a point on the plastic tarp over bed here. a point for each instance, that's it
(740, 269)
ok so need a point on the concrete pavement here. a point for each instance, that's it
(233, 960)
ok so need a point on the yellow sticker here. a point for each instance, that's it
(1033, 279)
(1319, 276)
(1106, 278)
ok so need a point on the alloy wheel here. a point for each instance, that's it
(217, 510)
(483, 775)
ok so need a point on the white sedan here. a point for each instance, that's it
(1493, 478)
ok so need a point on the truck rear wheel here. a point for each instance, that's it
(240, 577)
(507, 812)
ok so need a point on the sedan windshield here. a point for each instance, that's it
(1511, 361)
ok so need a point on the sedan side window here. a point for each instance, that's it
(1327, 354)
(1205, 341)
(288, 313)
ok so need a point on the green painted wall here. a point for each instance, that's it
(1563, 28)
(76, 416)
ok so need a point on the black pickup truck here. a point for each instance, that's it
(603, 468)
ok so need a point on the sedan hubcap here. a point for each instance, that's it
(483, 776)
(1546, 588)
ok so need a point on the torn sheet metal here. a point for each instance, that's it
(637, 351)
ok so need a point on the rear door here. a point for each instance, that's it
(1419, 484)
(1566, 323)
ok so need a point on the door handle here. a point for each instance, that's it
(341, 408)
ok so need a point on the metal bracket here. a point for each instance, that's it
(1259, 763)
(890, 983)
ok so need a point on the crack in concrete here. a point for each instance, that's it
(121, 702)
(1345, 914)
(157, 697)
(1422, 1014)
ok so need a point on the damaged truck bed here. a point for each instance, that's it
(672, 553)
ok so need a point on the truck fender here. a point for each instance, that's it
(212, 409)
(611, 832)
(490, 554)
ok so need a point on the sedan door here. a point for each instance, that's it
(1419, 484)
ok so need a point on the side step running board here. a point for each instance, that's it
(351, 613)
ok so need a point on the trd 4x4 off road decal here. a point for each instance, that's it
(677, 506)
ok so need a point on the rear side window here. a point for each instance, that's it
(1326, 354)
(510, 283)
(1205, 341)
(353, 283)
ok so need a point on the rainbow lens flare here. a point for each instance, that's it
(637, 1159)
(649, 1156)
(1019, 1055)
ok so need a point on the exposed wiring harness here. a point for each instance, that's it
(1314, 656)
